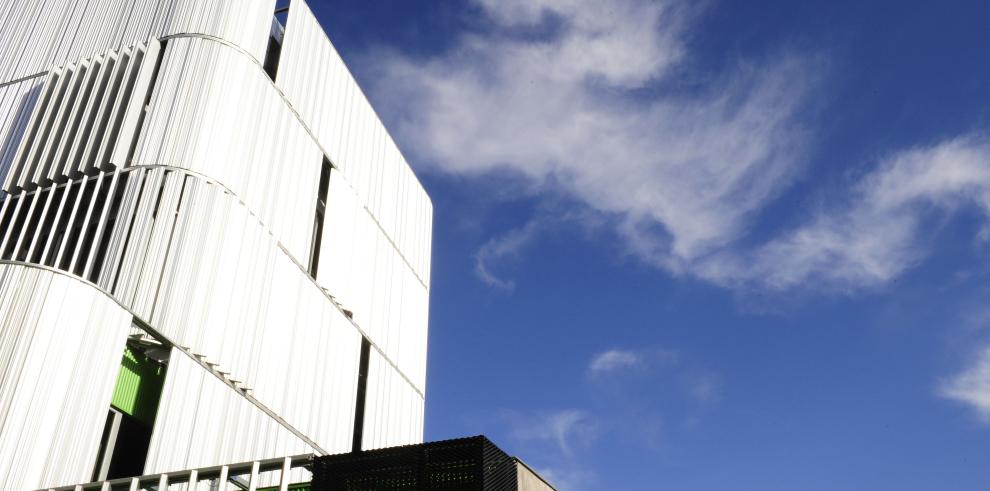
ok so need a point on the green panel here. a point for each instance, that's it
(139, 386)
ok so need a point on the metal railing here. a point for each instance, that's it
(221, 475)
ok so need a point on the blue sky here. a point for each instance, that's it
(700, 245)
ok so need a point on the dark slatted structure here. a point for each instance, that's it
(467, 464)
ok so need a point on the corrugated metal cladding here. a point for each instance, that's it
(60, 347)
(367, 275)
(186, 255)
(37, 35)
(319, 86)
(216, 113)
(203, 421)
(393, 412)
(86, 118)
(17, 101)
(182, 183)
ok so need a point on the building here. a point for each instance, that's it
(464, 464)
(211, 251)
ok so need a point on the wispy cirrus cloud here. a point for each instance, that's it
(563, 429)
(557, 443)
(501, 248)
(877, 232)
(665, 387)
(613, 359)
(972, 386)
(616, 360)
(591, 105)
(585, 98)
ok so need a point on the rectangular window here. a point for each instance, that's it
(275, 37)
(362, 394)
(321, 210)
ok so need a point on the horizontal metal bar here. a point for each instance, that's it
(203, 473)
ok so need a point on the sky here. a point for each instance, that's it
(700, 245)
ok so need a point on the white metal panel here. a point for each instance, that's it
(202, 421)
(205, 273)
(367, 276)
(231, 295)
(224, 289)
(201, 119)
(321, 89)
(60, 346)
(310, 360)
(210, 255)
(393, 412)
(216, 113)
(37, 35)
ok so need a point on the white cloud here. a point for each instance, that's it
(589, 99)
(877, 233)
(594, 107)
(972, 386)
(508, 245)
(561, 428)
(616, 359)
(613, 359)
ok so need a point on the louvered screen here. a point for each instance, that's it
(83, 226)
(86, 118)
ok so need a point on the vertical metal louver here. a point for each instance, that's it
(70, 227)
(86, 119)
(180, 182)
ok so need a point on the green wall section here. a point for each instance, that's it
(139, 386)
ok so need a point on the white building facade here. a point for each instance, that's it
(201, 188)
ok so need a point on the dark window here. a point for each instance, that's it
(321, 210)
(124, 447)
(271, 57)
(362, 395)
(274, 51)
